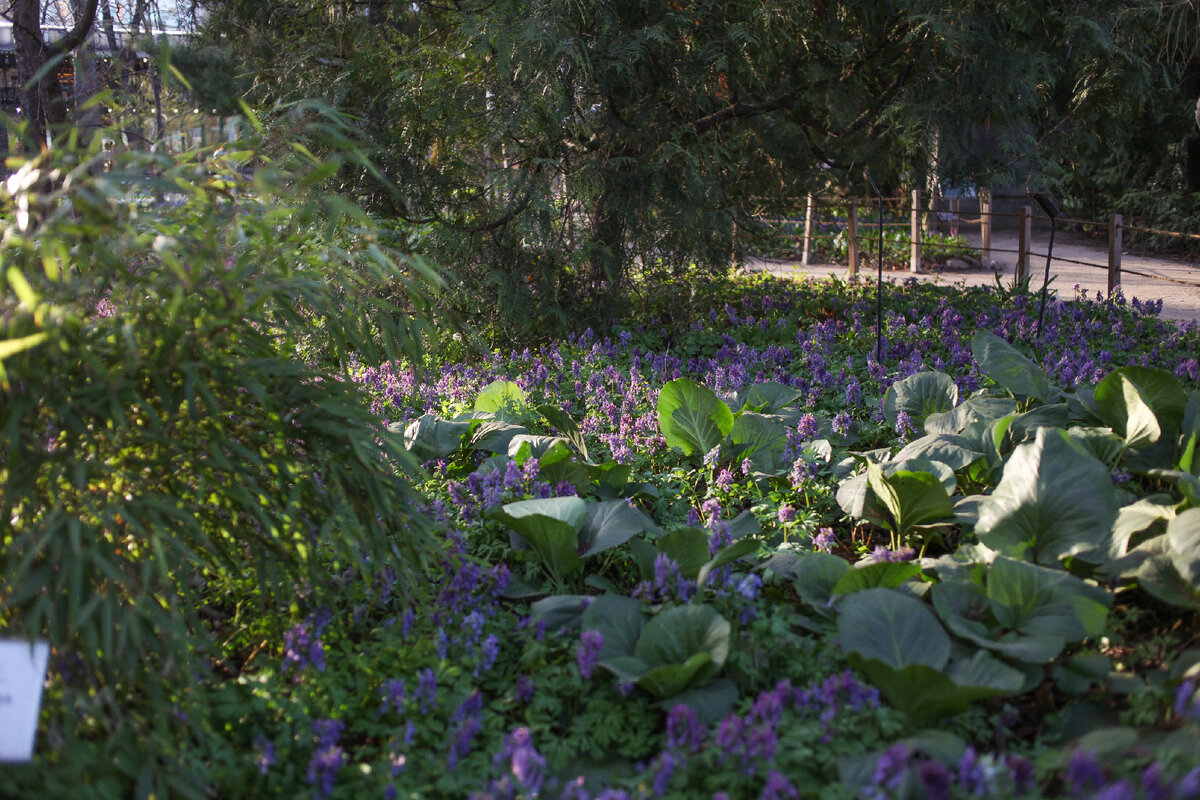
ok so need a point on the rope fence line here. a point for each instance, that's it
(919, 224)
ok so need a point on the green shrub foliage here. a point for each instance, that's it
(160, 435)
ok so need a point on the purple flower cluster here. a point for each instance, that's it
(302, 644)
(975, 775)
(588, 652)
(668, 583)
(328, 757)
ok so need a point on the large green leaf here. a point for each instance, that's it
(567, 427)
(619, 620)
(1053, 501)
(977, 408)
(691, 417)
(1127, 410)
(1024, 427)
(502, 398)
(688, 547)
(709, 702)
(1039, 601)
(856, 499)
(551, 527)
(926, 694)
(610, 523)
(815, 576)
(678, 635)
(964, 608)
(769, 397)
(669, 680)
(1189, 442)
(537, 446)
(956, 452)
(893, 628)
(919, 396)
(914, 500)
(760, 439)
(726, 555)
(1001, 362)
(430, 437)
(1158, 388)
(1137, 517)
(888, 574)
(1183, 537)
(494, 435)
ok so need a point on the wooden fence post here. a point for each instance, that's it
(985, 229)
(809, 213)
(915, 232)
(852, 235)
(1115, 234)
(1024, 237)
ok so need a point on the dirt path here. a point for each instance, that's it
(1177, 282)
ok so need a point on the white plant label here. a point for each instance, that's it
(22, 672)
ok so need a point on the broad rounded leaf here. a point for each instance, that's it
(1124, 407)
(919, 396)
(769, 397)
(1000, 361)
(816, 575)
(619, 620)
(1158, 388)
(678, 634)
(892, 628)
(430, 437)
(760, 439)
(1052, 501)
(669, 680)
(502, 398)
(1039, 601)
(610, 523)
(691, 417)
(888, 574)
(954, 451)
(1183, 538)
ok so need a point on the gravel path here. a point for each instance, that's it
(1176, 281)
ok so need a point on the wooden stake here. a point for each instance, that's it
(915, 232)
(852, 233)
(1115, 235)
(808, 228)
(1025, 237)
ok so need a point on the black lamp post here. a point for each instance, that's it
(1050, 210)
(879, 278)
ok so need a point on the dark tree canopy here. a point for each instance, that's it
(555, 147)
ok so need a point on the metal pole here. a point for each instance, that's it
(852, 234)
(1051, 210)
(879, 278)
(915, 232)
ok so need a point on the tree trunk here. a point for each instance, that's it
(87, 117)
(43, 103)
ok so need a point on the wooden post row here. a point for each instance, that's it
(915, 232)
(852, 233)
(1115, 235)
(1024, 238)
(808, 228)
(985, 229)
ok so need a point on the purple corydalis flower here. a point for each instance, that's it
(786, 514)
(328, 758)
(1084, 773)
(824, 541)
(683, 730)
(392, 696)
(265, 750)
(588, 652)
(806, 428)
(778, 788)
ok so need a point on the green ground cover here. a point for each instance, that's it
(737, 547)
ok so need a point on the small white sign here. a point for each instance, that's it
(22, 672)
